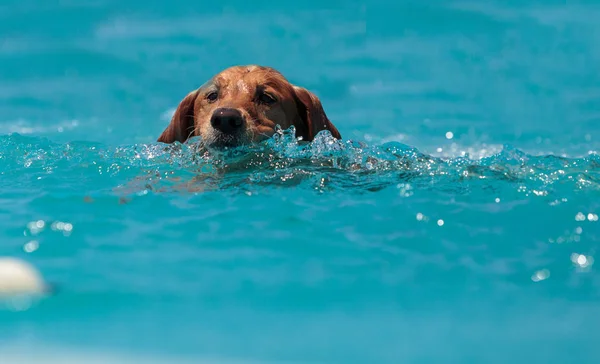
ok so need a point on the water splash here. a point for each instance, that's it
(324, 164)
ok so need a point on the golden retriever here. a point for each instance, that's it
(244, 104)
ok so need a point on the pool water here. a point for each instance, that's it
(456, 221)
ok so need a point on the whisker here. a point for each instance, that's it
(191, 133)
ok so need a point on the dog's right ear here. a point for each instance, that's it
(181, 126)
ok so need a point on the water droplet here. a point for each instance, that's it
(440, 222)
(497, 200)
(581, 260)
(31, 246)
(540, 275)
(405, 189)
(420, 216)
(449, 135)
(35, 227)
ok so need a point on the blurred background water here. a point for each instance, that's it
(458, 224)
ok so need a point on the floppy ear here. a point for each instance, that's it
(312, 116)
(182, 123)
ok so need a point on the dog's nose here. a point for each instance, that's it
(228, 121)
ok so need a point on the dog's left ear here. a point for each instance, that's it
(312, 116)
(182, 123)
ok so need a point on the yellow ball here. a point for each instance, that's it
(18, 278)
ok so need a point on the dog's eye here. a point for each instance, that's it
(266, 99)
(212, 96)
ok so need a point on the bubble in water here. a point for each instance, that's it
(449, 135)
(580, 216)
(440, 222)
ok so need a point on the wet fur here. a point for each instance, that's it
(240, 87)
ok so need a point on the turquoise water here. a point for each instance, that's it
(457, 221)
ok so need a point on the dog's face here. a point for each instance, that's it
(244, 104)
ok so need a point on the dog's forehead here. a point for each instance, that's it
(247, 78)
(237, 78)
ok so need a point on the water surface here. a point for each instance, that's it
(457, 221)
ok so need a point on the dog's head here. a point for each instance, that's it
(244, 104)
